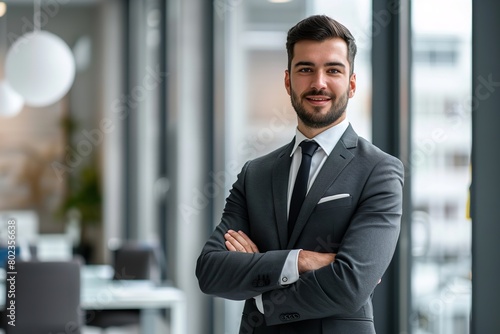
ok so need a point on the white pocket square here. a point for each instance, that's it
(332, 198)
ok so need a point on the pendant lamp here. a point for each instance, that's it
(40, 66)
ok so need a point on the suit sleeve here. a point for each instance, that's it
(344, 286)
(235, 275)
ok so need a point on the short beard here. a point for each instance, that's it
(315, 119)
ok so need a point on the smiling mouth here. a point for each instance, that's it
(318, 100)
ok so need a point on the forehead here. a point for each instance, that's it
(329, 50)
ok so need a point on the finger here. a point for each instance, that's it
(230, 247)
(235, 244)
(242, 241)
(334, 255)
(247, 242)
(253, 246)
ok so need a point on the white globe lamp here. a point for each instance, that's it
(11, 102)
(40, 66)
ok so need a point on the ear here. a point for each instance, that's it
(352, 85)
(287, 81)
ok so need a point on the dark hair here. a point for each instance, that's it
(320, 28)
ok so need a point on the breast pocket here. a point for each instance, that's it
(334, 203)
(327, 225)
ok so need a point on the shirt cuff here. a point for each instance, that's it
(259, 303)
(290, 272)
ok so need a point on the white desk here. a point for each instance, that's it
(137, 295)
(99, 292)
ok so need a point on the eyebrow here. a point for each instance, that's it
(308, 63)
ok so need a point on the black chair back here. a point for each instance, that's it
(135, 262)
(46, 298)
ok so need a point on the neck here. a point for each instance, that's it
(311, 132)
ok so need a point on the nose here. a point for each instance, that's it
(318, 81)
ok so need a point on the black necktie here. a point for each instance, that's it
(300, 187)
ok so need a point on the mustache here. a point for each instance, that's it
(315, 92)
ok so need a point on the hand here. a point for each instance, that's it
(239, 242)
(309, 260)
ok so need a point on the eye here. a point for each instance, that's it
(305, 70)
(333, 71)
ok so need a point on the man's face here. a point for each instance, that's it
(319, 83)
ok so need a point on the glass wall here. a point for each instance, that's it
(258, 116)
(441, 146)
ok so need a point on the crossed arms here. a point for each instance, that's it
(308, 260)
(330, 284)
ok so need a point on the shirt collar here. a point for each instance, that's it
(326, 139)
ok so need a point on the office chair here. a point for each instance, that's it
(134, 261)
(47, 298)
(131, 261)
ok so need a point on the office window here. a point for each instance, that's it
(436, 51)
(441, 135)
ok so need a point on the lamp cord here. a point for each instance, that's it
(3, 44)
(36, 15)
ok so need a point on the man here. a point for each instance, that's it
(309, 265)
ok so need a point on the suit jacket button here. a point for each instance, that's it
(261, 281)
(289, 316)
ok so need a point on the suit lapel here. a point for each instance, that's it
(338, 159)
(281, 171)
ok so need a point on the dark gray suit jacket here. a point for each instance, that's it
(361, 225)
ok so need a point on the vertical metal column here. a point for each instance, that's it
(485, 102)
(163, 151)
(404, 305)
(391, 132)
(127, 184)
(190, 83)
